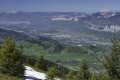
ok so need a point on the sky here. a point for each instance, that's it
(88, 6)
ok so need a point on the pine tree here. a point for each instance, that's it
(94, 77)
(52, 73)
(41, 63)
(29, 61)
(83, 73)
(70, 75)
(112, 61)
(100, 76)
(11, 60)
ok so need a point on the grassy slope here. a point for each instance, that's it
(7, 77)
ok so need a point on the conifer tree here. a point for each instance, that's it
(94, 77)
(100, 76)
(29, 61)
(41, 63)
(83, 73)
(112, 61)
(52, 73)
(11, 59)
(70, 75)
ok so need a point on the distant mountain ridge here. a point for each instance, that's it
(66, 27)
(101, 12)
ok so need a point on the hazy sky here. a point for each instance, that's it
(59, 5)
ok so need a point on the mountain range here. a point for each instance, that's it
(67, 27)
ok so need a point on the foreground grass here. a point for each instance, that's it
(7, 77)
